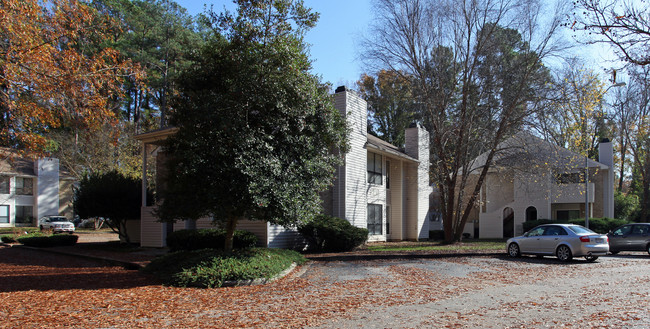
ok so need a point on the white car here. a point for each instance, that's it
(57, 224)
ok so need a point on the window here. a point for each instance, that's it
(387, 177)
(568, 214)
(374, 219)
(24, 214)
(374, 168)
(4, 184)
(569, 178)
(4, 214)
(554, 230)
(624, 230)
(24, 186)
(531, 213)
(387, 216)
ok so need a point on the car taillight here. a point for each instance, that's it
(584, 238)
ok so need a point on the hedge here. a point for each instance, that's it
(208, 239)
(327, 233)
(599, 225)
(209, 268)
(49, 241)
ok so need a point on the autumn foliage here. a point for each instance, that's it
(55, 71)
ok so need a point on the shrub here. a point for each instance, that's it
(327, 233)
(210, 268)
(208, 238)
(7, 239)
(437, 235)
(49, 241)
(599, 225)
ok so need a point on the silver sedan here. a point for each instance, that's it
(562, 240)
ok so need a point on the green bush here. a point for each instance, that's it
(49, 241)
(210, 268)
(599, 225)
(327, 233)
(208, 238)
(7, 239)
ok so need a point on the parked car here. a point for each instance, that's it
(565, 241)
(57, 224)
(630, 237)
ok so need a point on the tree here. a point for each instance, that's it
(160, 36)
(475, 81)
(633, 116)
(256, 130)
(49, 77)
(390, 104)
(621, 23)
(112, 196)
(576, 120)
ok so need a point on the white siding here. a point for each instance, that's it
(46, 187)
(287, 238)
(417, 146)
(350, 200)
(151, 234)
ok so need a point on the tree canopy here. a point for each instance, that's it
(50, 76)
(256, 130)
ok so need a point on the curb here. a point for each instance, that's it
(397, 256)
(124, 264)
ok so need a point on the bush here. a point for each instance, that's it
(208, 238)
(599, 225)
(327, 233)
(13, 238)
(49, 241)
(210, 268)
(437, 235)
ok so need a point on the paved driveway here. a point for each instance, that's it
(45, 290)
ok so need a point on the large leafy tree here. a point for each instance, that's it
(476, 67)
(256, 130)
(50, 77)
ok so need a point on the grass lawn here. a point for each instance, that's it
(496, 245)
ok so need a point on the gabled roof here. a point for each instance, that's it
(374, 142)
(11, 163)
(524, 150)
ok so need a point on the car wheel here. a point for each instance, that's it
(563, 253)
(648, 248)
(591, 258)
(513, 250)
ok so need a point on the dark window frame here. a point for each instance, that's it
(375, 218)
(374, 168)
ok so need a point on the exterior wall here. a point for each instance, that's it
(66, 199)
(349, 201)
(396, 200)
(46, 187)
(417, 146)
(606, 157)
(151, 231)
(280, 237)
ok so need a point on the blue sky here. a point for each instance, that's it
(334, 48)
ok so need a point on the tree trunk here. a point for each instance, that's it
(230, 232)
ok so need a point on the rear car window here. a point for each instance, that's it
(580, 229)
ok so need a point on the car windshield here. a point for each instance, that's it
(58, 219)
(580, 229)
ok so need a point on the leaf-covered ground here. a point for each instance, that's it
(45, 290)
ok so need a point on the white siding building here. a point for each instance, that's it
(31, 189)
(532, 179)
(380, 187)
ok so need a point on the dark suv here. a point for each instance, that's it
(630, 237)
